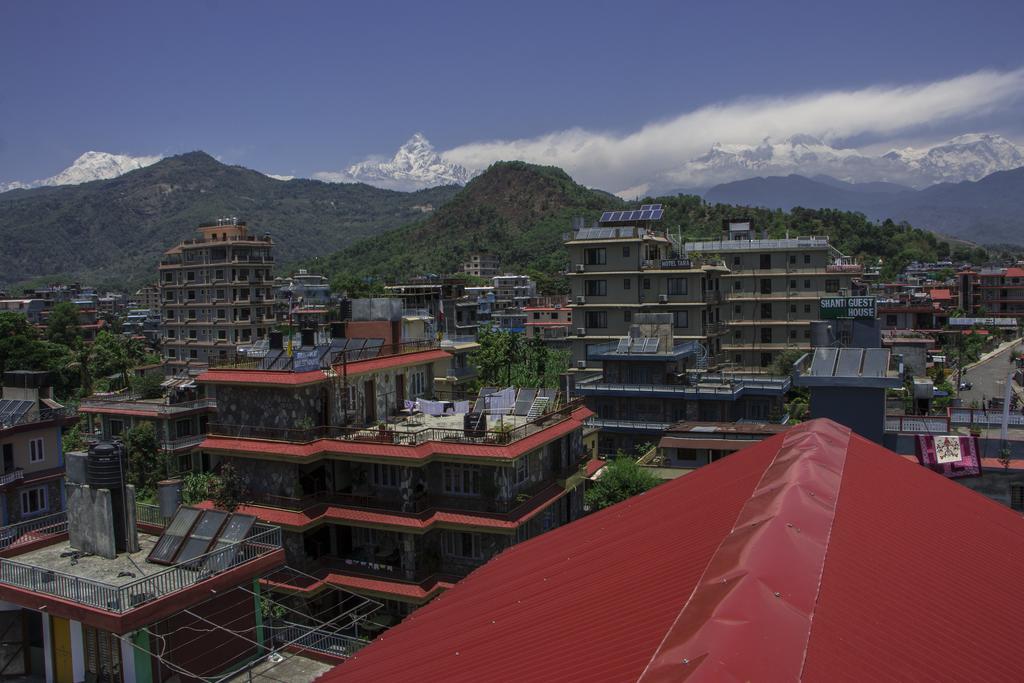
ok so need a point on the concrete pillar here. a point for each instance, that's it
(77, 651)
(48, 647)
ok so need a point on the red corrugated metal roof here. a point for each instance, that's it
(887, 572)
(941, 295)
(271, 377)
(401, 360)
(1015, 272)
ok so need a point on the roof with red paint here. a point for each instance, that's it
(264, 377)
(421, 451)
(941, 295)
(396, 361)
(813, 555)
(1015, 272)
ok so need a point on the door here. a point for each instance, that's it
(399, 392)
(61, 650)
(8, 458)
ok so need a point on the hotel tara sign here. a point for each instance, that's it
(848, 307)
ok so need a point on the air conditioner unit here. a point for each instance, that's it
(663, 298)
(581, 364)
(581, 299)
(579, 268)
(581, 331)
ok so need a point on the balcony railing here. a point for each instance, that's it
(137, 403)
(727, 390)
(44, 415)
(33, 530)
(129, 596)
(714, 246)
(11, 477)
(318, 640)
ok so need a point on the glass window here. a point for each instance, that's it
(597, 287)
(677, 285)
(595, 257)
(386, 476)
(33, 501)
(627, 283)
(597, 319)
(35, 450)
(681, 319)
(463, 480)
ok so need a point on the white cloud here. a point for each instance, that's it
(618, 162)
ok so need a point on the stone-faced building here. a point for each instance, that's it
(31, 431)
(381, 491)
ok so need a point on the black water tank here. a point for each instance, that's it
(276, 340)
(308, 338)
(105, 469)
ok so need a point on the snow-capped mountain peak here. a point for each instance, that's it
(965, 157)
(413, 167)
(89, 166)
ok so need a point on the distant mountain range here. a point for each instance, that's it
(415, 166)
(88, 167)
(966, 157)
(987, 211)
(112, 232)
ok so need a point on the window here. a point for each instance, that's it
(597, 319)
(807, 259)
(462, 544)
(647, 283)
(168, 295)
(35, 450)
(386, 476)
(117, 426)
(192, 314)
(192, 334)
(736, 261)
(627, 316)
(190, 276)
(792, 258)
(522, 470)
(463, 480)
(807, 284)
(625, 252)
(681, 319)
(222, 314)
(766, 311)
(890, 320)
(597, 287)
(832, 285)
(183, 428)
(172, 353)
(536, 315)
(169, 315)
(792, 334)
(219, 275)
(169, 277)
(677, 285)
(595, 257)
(737, 286)
(737, 358)
(171, 334)
(737, 310)
(33, 501)
(807, 308)
(792, 284)
(766, 261)
(766, 335)
(792, 308)
(766, 360)
(193, 354)
(627, 283)
(766, 286)
(222, 335)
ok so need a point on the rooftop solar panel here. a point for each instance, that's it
(623, 346)
(235, 530)
(202, 536)
(524, 401)
(606, 216)
(651, 344)
(170, 541)
(656, 216)
(849, 362)
(876, 363)
(824, 362)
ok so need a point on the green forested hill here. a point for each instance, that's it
(110, 233)
(521, 212)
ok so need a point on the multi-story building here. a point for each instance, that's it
(624, 266)
(773, 288)
(31, 431)
(550, 321)
(513, 291)
(302, 291)
(179, 418)
(483, 265)
(30, 308)
(382, 491)
(454, 383)
(473, 309)
(992, 291)
(216, 293)
(650, 381)
(435, 295)
(146, 297)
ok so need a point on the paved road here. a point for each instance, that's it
(988, 378)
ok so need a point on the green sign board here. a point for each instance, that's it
(848, 307)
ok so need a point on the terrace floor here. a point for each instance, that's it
(125, 568)
(420, 421)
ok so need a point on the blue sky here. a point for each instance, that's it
(302, 87)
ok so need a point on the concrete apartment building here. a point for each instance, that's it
(386, 500)
(624, 266)
(773, 288)
(216, 293)
(31, 431)
(482, 264)
(992, 291)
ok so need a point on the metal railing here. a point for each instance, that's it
(402, 437)
(728, 389)
(33, 529)
(11, 477)
(149, 514)
(124, 598)
(980, 416)
(317, 640)
(43, 415)
(917, 424)
(755, 244)
(189, 441)
(137, 403)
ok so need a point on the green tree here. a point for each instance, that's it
(783, 365)
(62, 325)
(114, 354)
(354, 287)
(622, 478)
(228, 492)
(148, 385)
(510, 359)
(197, 487)
(147, 463)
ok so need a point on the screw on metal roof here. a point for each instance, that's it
(777, 594)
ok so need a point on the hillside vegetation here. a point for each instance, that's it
(110, 233)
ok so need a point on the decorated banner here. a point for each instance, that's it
(951, 456)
